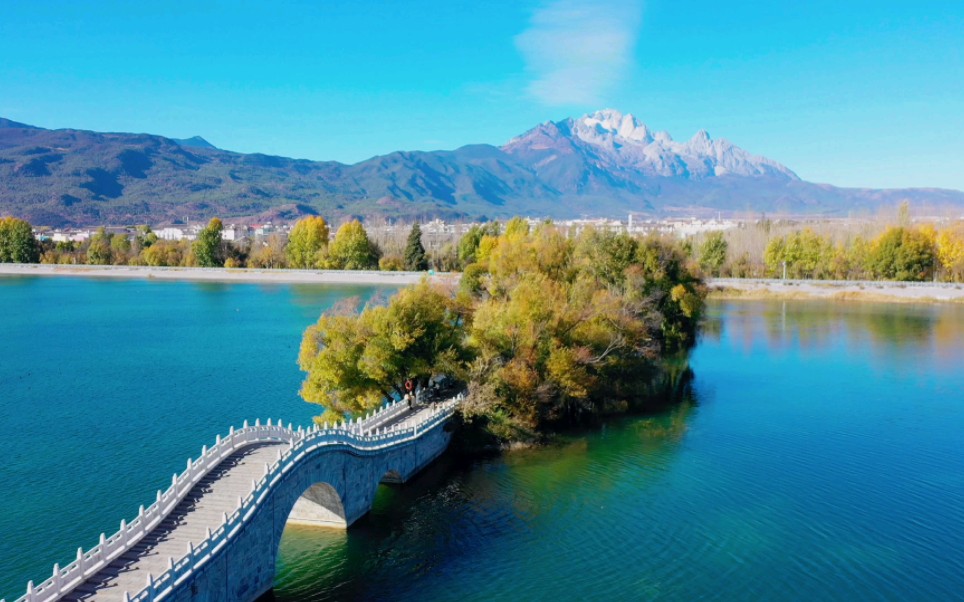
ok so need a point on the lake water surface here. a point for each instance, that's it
(819, 457)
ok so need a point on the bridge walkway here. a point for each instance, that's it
(203, 508)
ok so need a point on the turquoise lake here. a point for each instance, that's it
(819, 456)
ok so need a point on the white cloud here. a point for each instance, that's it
(577, 50)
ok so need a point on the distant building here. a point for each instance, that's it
(234, 233)
(170, 233)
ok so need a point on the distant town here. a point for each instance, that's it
(436, 231)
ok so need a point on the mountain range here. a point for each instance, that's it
(603, 164)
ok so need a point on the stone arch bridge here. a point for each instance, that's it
(214, 534)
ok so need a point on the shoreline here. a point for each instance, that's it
(719, 288)
(246, 275)
(836, 290)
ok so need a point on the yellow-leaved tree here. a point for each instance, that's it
(950, 251)
(307, 242)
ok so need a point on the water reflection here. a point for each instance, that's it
(459, 516)
(931, 330)
(821, 462)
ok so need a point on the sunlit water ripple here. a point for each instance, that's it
(819, 457)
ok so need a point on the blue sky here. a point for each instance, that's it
(852, 93)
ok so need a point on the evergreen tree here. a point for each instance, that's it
(415, 258)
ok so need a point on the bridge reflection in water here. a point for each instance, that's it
(214, 534)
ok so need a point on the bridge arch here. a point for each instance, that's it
(333, 472)
(319, 506)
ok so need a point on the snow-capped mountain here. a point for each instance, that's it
(617, 143)
(602, 164)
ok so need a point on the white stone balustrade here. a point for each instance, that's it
(365, 436)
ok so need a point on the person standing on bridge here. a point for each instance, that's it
(409, 386)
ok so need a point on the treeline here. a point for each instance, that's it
(308, 246)
(898, 252)
(545, 328)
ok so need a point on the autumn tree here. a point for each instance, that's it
(164, 253)
(269, 254)
(207, 248)
(415, 258)
(17, 242)
(354, 361)
(544, 328)
(352, 249)
(559, 326)
(950, 251)
(307, 240)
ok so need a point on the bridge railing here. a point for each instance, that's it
(304, 443)
(363, 433)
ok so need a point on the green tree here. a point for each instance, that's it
(120, 249)
(713, 253)
(415, 258)
(902, 254)
(144, 237)
(99, 248)
(208, 250)
(352, 249)
(807, 255)
(307, 240)
(17, 242)
(469, 243)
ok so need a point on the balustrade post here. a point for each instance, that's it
(123, 532)
(127, 597)
(80, 561)
(56, 578)
(30, 593)
(150, 586)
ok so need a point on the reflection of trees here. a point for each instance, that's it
(461, 509)
(932, 329)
